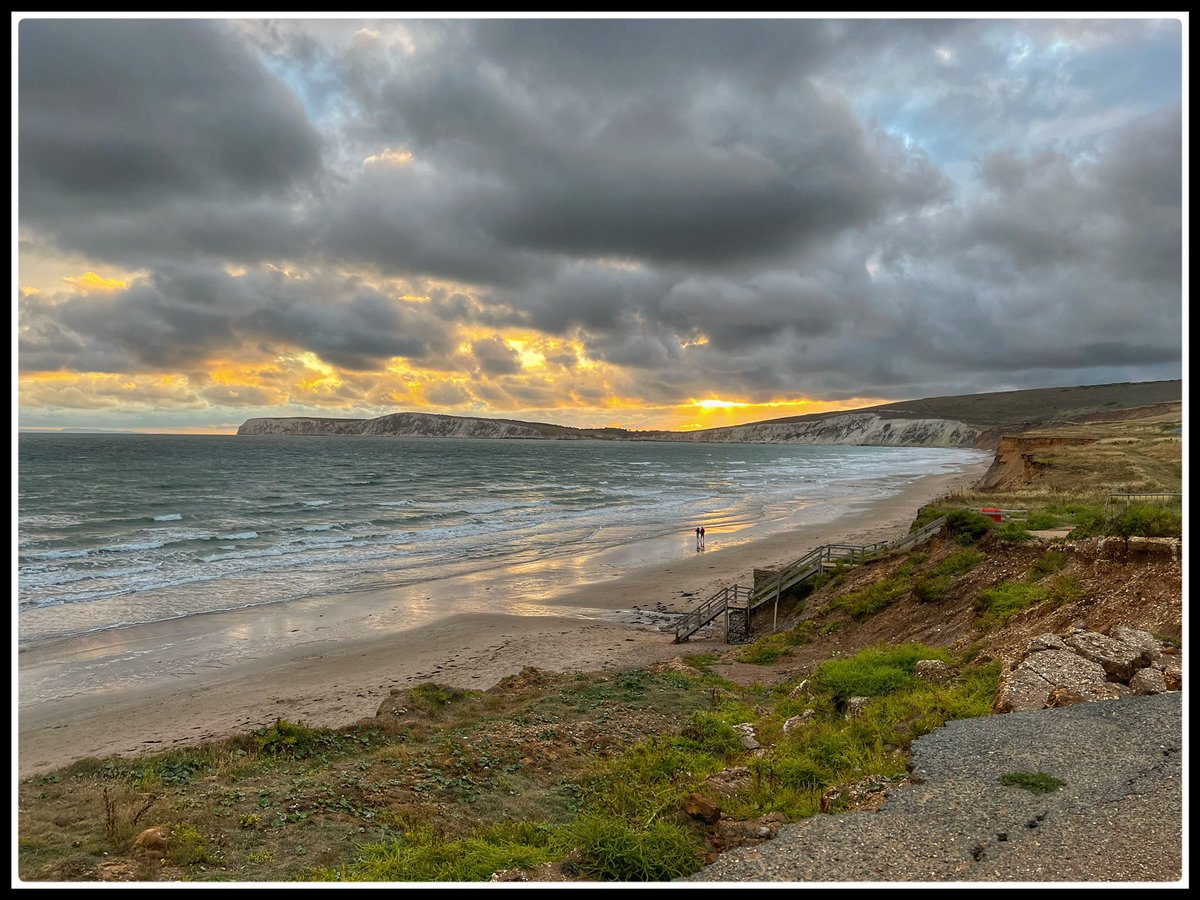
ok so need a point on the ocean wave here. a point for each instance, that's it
(58, 577)
(168, 517)
(315, 502)
(238, 536)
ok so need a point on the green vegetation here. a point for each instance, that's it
(931, 588)
(586, 771)
(967, 526)
(1137, 519)
(767, 650)
(1013, 532)
(188, 846)
(998, 604)
(866, 602)
(613, 851)
(423, 856)
(958, 563)
(1051, 561)
(1035, 782)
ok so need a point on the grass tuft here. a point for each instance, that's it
(1036, 782)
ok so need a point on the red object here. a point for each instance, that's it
(993, 513)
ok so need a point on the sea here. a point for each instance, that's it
(122, 529)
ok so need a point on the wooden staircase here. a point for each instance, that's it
(744, 601)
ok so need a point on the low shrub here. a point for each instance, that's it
(968, 526)
(613, 851)
(997, 605)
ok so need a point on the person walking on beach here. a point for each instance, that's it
(701, 537)
(699, 531)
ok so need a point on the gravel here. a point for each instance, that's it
(1118, 817)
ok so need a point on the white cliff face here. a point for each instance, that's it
(302, 425)
(863, 429)
(423, 425)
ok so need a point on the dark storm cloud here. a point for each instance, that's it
(760, 209)
(142, 126)
(183, 317)
(681, 156)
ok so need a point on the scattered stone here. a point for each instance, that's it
(933, 670)
(1046, 642)
(698, 807)
(675, 664)
(1173, 677)
(796, 721)
(1062, 697)
(554, 871)
(799, 691)
(855, 706)
(152, 841)
(1148, 681)
(729, 781)
(731, 834)
(1119, 659)
(864, 795)
(748, 737)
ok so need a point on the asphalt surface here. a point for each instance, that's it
(1118, 818)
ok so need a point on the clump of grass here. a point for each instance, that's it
(431, 697)
(701, 662)
(613, 851)
(1039, 521)
(1135, 520)
(1063, 589)
(860, 605)
(424, 856)
(927, 514)
(967, 526)
(1050, 562)
(760, 653)
(958, 563)
(1013, 533)
(997, 605)
(1035, 782)
(931, 588)
(708, 733)
(188, 846)
(873, 673)
(287, 738)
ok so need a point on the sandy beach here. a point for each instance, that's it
(329, 661)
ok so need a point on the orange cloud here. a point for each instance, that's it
(90, 282)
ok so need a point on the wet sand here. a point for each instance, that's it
(329, 661)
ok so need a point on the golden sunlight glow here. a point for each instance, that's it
(389, 156)
(695, 342)
(717, 404)
(327, 375)
(90, 282)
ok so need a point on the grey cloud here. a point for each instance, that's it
(121, 119)
(495, 357)
(631, 185)
(182, 317)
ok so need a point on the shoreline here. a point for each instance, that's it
(330, 661)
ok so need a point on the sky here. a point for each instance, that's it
(641, 223)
